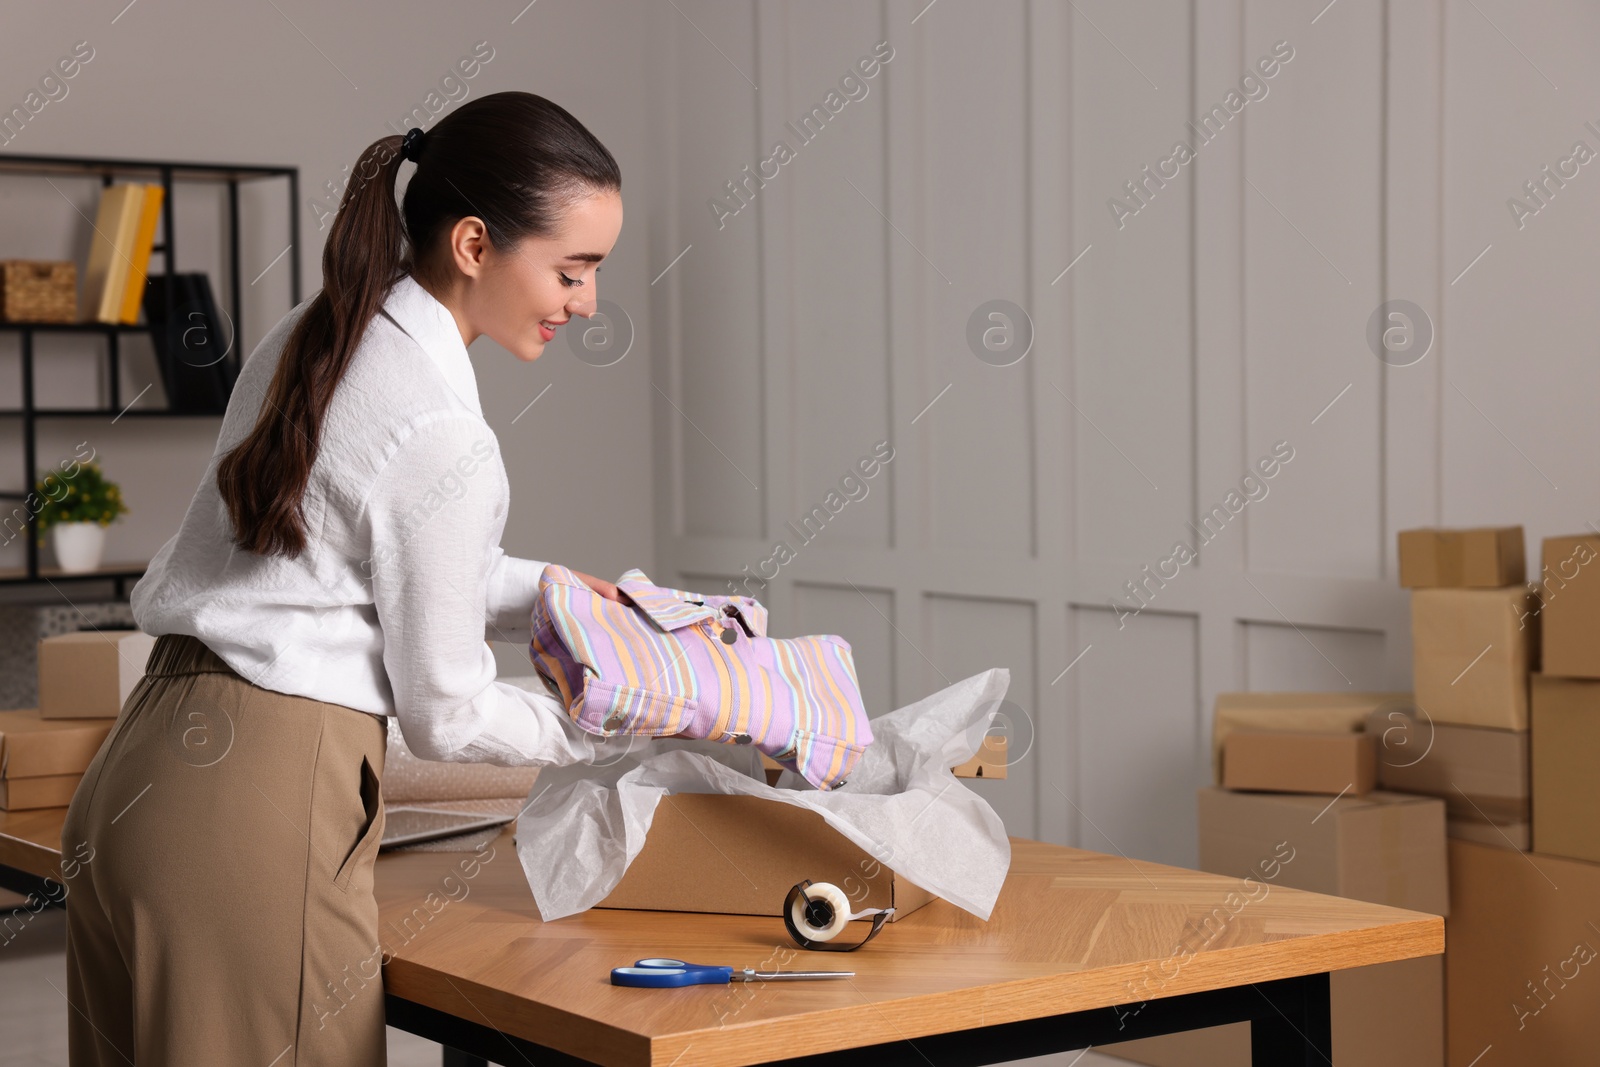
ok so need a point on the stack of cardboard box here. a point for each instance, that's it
(42, 760)
(1566, 702)
(1513, 750)
(1296, 776)
(1475, 642)
(84, 678)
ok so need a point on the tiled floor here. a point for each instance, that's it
(33, 1007)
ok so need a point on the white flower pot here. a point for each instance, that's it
(78, 545)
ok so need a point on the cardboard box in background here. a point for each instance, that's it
(22, 626)
(1521, 926)
(990, 761)
(1482, 775)
(32, 747)
(41, 760)
(1289, 761)
(740, 855)
(45, 791)
(1330, 712)
(88, 674)
(1516, 835)
(1566, 768)
(1472, 650)
(1570, 590)
(1482, 557)
(1386, 1015)
(1387, 848)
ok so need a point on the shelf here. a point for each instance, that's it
(104, 572)
(106, 168)
(74, 327)
(167, 173)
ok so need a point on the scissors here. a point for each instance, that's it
(657, 973)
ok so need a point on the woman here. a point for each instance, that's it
(340, 563)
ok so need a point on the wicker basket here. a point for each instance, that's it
(33, 290)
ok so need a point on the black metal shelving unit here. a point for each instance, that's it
(109, 170)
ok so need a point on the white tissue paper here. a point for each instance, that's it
(584, 823)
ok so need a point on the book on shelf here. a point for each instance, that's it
(115, 226)
(194, 353)
(139, 260)
(119, 251)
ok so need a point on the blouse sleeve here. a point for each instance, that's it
(435, 515)
(513, 588)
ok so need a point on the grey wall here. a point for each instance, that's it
(1227, 313)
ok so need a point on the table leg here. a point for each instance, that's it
(457, 1058)
(1296, 1028)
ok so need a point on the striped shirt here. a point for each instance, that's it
(679, 662)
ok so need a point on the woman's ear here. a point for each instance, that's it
(469, 245)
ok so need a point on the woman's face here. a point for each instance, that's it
(522, 296)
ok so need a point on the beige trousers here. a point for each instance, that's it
(217, 865)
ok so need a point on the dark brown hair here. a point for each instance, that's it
(512, 159)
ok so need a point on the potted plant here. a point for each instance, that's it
(77, 511)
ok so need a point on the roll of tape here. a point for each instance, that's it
(836, 906)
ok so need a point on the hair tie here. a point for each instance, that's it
(411, 146)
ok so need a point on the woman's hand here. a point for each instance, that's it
(609, 591)
(600, 585)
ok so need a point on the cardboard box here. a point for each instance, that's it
(990, 761)
(1566, 779)
(1387, 848)
(1288, 761)
(1482, 775)
(89, 674)
(1522, 958)
(1472, 650)
(31, 747)
(740, 855)
(1516, 835)
(1386, 1015)
(1569, 588)
(21, 627)
(45, 791)
(1483, 557)
(1312, 712)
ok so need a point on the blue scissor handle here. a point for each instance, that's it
(657, 972)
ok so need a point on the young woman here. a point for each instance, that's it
(339, 564)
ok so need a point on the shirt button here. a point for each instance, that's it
(616, 722)
(729, 636)
(742, 739)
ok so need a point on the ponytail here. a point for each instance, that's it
(512, 159)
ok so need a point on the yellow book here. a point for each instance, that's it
(144, 240)
(114, 226)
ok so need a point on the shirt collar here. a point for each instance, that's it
(429, 323)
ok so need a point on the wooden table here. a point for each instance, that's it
(1082, 948)
(30, 849)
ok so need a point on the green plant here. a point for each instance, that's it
(83, 497)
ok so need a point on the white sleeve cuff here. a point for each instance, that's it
(522, 727)
(513, 588)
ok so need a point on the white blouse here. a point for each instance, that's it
(402, 579)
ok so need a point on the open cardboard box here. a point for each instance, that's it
(740, 855)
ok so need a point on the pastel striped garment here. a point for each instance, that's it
(675, 662)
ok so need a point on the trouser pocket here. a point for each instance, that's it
(371, 827)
